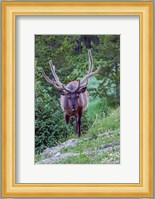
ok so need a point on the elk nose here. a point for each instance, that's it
(73, 108)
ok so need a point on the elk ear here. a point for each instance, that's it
(82, 90)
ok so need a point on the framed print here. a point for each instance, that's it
(77, 99)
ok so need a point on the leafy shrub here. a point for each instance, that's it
(103, 124)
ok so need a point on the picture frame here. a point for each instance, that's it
(10, 10)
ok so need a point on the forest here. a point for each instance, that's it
(69, 54)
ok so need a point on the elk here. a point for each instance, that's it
(74, 95)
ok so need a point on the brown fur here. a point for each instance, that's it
(82, 104)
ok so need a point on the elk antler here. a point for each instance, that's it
(58, 83)
(90, 73)
(46, 77)
(55, 82)
(50, 81)
(78, 87)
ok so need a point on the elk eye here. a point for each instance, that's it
(68, 96)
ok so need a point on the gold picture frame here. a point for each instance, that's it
(9, 12)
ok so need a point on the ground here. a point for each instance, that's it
(100, 149)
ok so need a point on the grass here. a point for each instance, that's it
(92, 147)
(93, 158)
(38, 157)
(110, 125)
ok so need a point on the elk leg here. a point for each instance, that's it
(78, 123)
(67, 117)
(76, 126)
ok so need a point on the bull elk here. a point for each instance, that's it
(74, 96)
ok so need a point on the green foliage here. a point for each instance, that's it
(81, 159)
(111, 157)
(69, 55)
(111, 122)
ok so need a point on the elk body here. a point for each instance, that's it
(74, 96)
